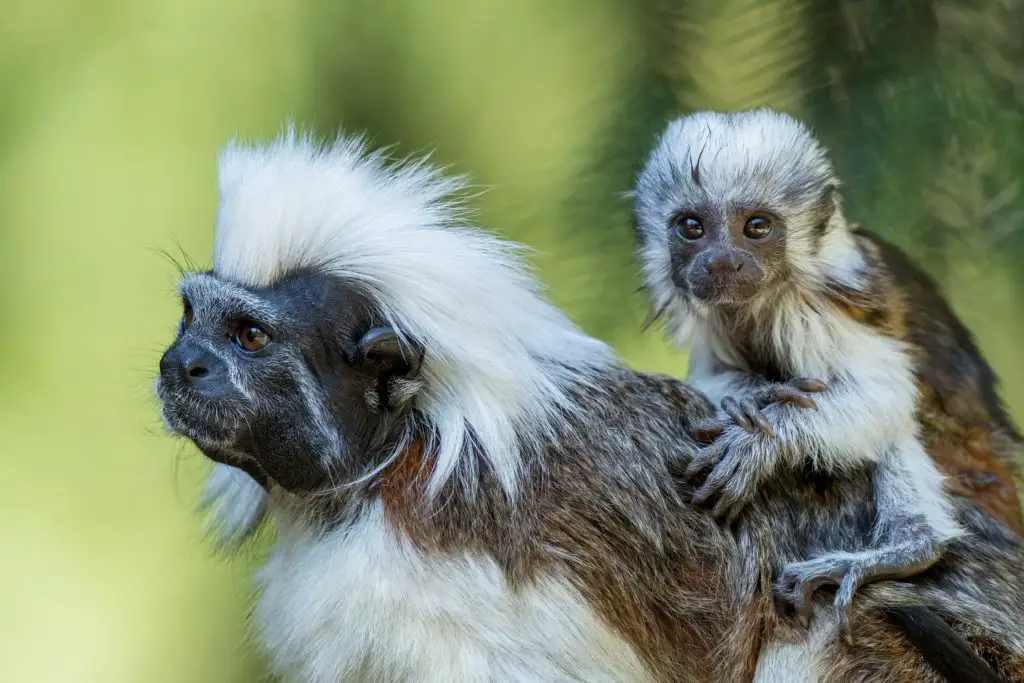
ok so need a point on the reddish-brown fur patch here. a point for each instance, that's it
(665, 586)
(400, 485)
(975, 472)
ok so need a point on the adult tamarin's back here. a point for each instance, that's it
(964, 425)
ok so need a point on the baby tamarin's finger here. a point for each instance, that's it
(755, 416)
(785, 394)
(705, 432)
(732, 408)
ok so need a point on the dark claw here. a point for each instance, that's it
(756, 417)
(715, 481)
(788, 395)
(710, 487)
(727, 508)
(731, 500)
(701, 495)
(811, 386)
(732, 408)
(844, 602)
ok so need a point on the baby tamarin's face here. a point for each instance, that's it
(730, 206)
(725, 254)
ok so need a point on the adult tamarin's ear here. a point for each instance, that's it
(383, 352)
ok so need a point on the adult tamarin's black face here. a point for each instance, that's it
(295, 383)
(730, 206)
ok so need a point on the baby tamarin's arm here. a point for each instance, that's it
(768, 425)
(747, 254)
(863, 405)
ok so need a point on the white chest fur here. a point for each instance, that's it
(362, 604)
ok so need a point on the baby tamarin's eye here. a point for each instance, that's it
(688, 227)
(251, 336)
(186, 318)
(757, 228)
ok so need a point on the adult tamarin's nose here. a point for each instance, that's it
(196, 366)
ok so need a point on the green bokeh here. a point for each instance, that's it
(110, 116)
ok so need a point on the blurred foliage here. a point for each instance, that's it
(110, 114)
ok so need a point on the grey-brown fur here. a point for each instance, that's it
(607, 492)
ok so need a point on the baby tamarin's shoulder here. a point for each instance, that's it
(965, 426)
(898, 299)
(882, 299)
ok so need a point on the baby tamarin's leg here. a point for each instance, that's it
(914, 525)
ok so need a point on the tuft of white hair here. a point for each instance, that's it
(754, 158)
(498, 356)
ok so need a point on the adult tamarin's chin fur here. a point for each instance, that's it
(465, 486)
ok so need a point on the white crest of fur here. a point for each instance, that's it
(497, 352)
(757, 158)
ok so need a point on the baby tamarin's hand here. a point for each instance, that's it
(740, 451)
(746, 411)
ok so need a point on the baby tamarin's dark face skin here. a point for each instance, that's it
(722, 254)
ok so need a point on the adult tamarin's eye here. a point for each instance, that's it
(688, 227)
(251, 337)
(186, 318)
(757, 228)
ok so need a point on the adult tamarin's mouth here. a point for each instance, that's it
(206, 427)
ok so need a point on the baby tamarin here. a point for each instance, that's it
(824, 346)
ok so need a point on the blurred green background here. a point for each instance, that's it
(110, 116)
